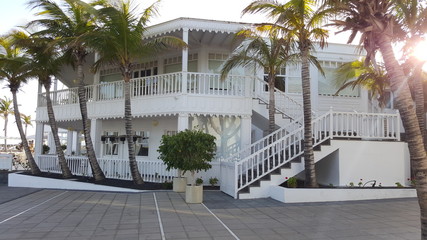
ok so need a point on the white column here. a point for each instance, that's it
(184, 60)
(38, 141)
(245, 131)
(364, 98)
(51, 142)
(39, 91)
(78, 144)
(182, 121)
(95, 133)
(314, 85)
(69, 142)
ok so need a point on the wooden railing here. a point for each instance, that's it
(159, 85)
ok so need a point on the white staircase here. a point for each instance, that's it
(267, 162)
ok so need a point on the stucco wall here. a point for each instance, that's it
(385, 162)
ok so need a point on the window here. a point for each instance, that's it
(111, 143)
(327, 83)
(170, 132)
(145, 69)
(288, 79)
(141, 143)
(174, 64)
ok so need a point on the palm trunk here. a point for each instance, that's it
(310, 171)
(136, 176)
(271, 104)
(66, 173)
(419, 101)
(97, 172)
(35, 170)
(406, 107)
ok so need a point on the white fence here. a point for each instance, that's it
(151, 171)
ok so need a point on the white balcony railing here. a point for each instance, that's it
(159, 85)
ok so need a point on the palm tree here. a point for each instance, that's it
(376, 21)
(15, 70)
(26, 120)
(302, 25)
(6, 108)
(72, 26)
(271, 55)
(412, 16)
(119, 43)
(356, 73)
(45, 64)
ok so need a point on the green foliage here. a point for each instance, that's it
(199, 181)
(64, 147)
(292, 182)
(399, 185)
(45, 149)
(189, 150)
(213, 181)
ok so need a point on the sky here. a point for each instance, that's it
(16, 13)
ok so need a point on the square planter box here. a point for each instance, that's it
(194, 194)
(179, 184)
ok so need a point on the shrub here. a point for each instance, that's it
(189, 150)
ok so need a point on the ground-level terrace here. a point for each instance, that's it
(58, 214)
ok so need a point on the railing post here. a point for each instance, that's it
(398, 125)
(331, 123)
(236, 180)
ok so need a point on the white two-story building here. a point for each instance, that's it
(181, 89)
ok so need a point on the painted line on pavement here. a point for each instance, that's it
(14, 216)
(223, 224)
(160, 219)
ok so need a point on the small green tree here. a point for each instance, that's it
(189, 150)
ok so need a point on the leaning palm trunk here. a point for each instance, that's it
(271, 104)
(310, 171)
(419, 101)
(66, 173)
(405, 105)
(136, 176)
(96, 169)
(35, 170)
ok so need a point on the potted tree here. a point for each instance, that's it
(189, 150)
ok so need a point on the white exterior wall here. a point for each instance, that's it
(155, 126)
(385, 162)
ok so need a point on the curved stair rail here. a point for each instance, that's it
(348, 125)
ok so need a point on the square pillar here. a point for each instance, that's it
(184, 60)
(38, 141)
(69, 142)
(95, 134)
(182, 121)
(245, 131)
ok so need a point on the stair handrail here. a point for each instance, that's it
(292, 143)
(261, 143)
(290, 107)
(327, 126)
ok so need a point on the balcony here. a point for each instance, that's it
(155, 95)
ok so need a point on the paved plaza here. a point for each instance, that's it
(58, 214)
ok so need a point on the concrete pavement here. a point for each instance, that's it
(58, 214)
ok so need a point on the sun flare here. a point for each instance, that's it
(420, 52)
